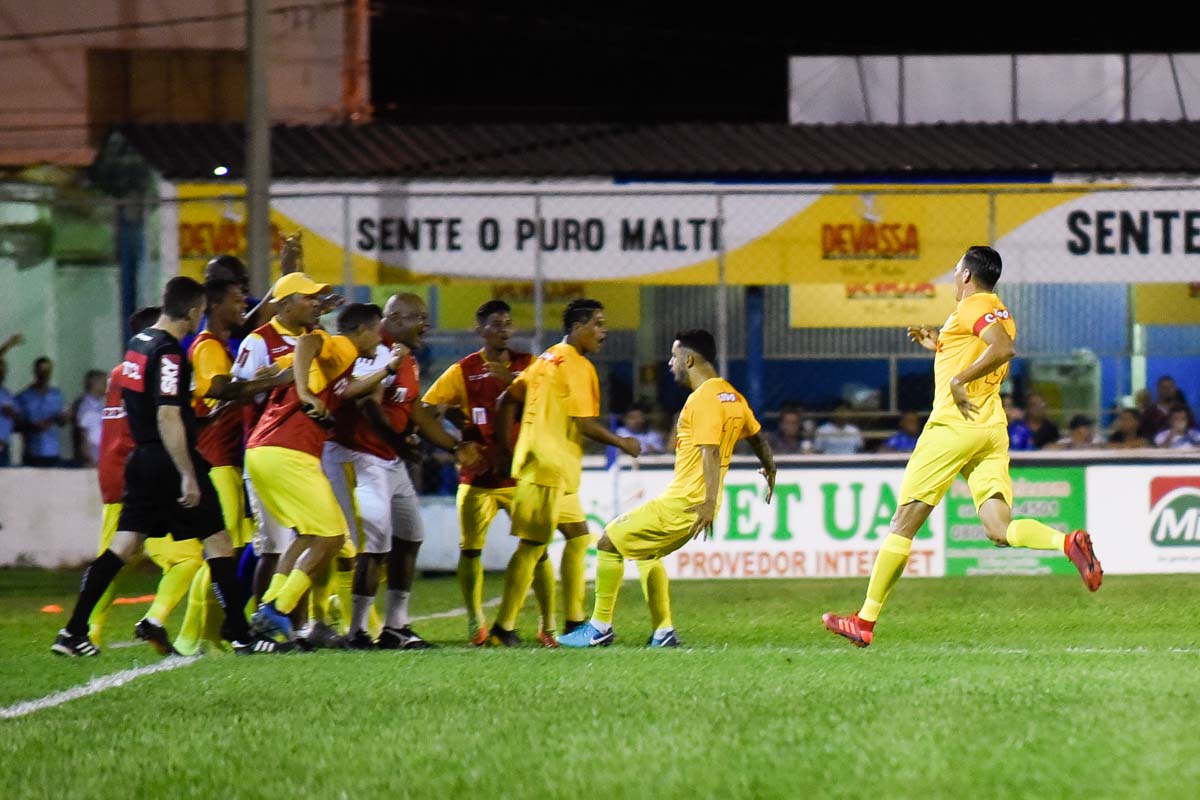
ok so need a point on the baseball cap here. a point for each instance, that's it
(1080, 421)
(297, 283)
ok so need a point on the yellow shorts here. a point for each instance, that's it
(534, 511)
(232, 494)
(295, 491)
(164, 551)
(477, 507)
(652, 530)
(944, 451)
(570, 510)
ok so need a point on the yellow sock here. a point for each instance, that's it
(277, 582)
(517, 578)
(889, 566)
(99, 614)
(293, 589)
(610, 572)
(655, 588)
(574, 578)
(470, 581)
(1034, 535)
(192, 627)
(543, 590)
(343, 587)
(173, 587)
(322, 587)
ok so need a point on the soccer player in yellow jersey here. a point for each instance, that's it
(966, 434)
(713, 420)
(561, 397)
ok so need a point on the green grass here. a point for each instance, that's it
(975, 687)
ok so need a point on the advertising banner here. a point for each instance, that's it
(1056, 496)
(1145, 519)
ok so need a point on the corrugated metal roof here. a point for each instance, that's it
(675, 151)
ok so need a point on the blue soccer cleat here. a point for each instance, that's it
(587, 635)
(269, 621)
(668, 639)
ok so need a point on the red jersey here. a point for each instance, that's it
(469, 385)
(265, 345)
(116, 441)
(284, 423)
(221, 431)
(400, 391)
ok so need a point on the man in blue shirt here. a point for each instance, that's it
(905, 439)
(1020, 437)
(40, 413)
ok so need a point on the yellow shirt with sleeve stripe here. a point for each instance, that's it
(560, 386)
(714, 414)
(210, 358)
(450, 389)
(337, 355)
(959, 345)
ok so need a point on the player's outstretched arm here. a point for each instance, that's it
(592, 429)
(924, 335)
(762, 450)
(224, 387)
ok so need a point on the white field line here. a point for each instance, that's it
(106, 682)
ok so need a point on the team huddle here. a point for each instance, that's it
(269, 480)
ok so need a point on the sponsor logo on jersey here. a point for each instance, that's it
(133, 371)
(168, 375)
(727, 397)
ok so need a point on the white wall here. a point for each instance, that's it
(44, 86)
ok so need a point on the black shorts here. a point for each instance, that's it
(150, 505)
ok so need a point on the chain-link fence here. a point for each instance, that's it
(808, 290)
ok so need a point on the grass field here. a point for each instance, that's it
(978, 687)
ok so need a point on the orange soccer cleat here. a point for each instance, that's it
(1078, 547)
(858, 631)
(546, 639)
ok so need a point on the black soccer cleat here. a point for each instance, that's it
(72, 646)
(360, 640)
(402, 639)
(156, 635)
(499, 637)
(261, 645)
(320, 636)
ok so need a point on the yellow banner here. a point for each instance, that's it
(869, 305)
(1166, 303)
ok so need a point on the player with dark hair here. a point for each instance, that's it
(713, 420)
(167, 488)
(283, 454)
(471, 386)
(967, 434)
(560, 396)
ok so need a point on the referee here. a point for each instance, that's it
(167, 488)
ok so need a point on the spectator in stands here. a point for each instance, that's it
(791, 435)
(1125, 430)
(636, 423)
(1019, 435)
(86, 414)
(40, 411)
(8, 406)
(839, 436)
(1040, 425)
(1081, 435)
(1180, 433)
(905, 439)
(1156, 418)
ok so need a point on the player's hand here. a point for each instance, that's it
(189, 491)
(469, 455)
(769, 476)
(703, 526)
(399, 352)
(500, 373)
(315, 408)
(924, 335)
(959, 391)
(12, 341)
(291, 254)
(329, 302)
(631, 446)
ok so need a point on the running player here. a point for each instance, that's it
(966, 434)
(471, 386)
(561, 397)
(179, 561)
(713, 420)
(283, 455)
(369, 438)
(167, 488)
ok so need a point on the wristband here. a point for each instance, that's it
(390, 369)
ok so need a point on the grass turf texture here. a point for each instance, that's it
(998, 687)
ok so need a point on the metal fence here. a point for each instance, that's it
(807, 289)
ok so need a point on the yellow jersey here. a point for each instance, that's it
(959, 344)
(560, 386)
(715, 413)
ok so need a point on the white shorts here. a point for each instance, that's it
(270, 535)
(383, 495)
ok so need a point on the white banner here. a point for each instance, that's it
(1145, 519)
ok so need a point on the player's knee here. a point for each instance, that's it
(126, 545)
(219, 545)
(605, 544)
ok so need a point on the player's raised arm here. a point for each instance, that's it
(924, 335)
(762, 450)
